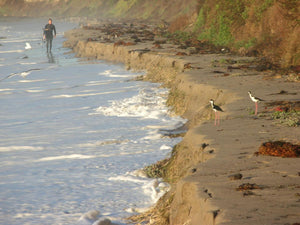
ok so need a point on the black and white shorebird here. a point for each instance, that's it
(255, 100)
(217, 110)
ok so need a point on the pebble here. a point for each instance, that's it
(236, 176)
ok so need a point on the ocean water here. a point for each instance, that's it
(74, 133)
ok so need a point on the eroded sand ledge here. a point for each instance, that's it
(202, 193)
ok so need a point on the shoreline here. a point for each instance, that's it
(200, 166)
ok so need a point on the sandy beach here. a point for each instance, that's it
(216, 176)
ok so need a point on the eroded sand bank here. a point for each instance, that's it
(201, 165)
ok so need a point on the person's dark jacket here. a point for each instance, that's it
(48, 31)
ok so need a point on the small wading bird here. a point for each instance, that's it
(217, 110)
(28, 46)
(255, 100)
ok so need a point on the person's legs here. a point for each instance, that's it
(50, 44)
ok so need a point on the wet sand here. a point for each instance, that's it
(212, 162)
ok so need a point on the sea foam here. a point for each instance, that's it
(20, 148)
(85, 95)
(153, 188)
(94, 217)
(113, 74)
(149, 103)
(63, 157)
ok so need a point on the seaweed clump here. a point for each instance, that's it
(156, 170)
(248, 186)
(279, 149)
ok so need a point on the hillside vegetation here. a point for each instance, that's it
(268, 28)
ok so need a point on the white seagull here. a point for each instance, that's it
(28, 46)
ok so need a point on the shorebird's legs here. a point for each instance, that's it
(256, 106)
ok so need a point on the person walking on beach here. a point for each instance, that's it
(48, 34)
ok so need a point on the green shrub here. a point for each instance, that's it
(291, 119)
(246, 44)
(262, 8)
(219, 31)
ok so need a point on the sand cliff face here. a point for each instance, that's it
(268, 28)
(202, 165)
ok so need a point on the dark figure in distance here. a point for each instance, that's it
(48, 34)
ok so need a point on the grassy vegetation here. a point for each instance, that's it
(176, 100)
(246, 43)
(261, 8)
(4, 10)
(156, 170)
(224, 36)
(291, 118)
(148, 10)
(296, 57)
(181, 36)
(200, 22)
(245, 13)
(186, 10)
(122, 6)
(93, 5)
(215, 26)
(218, 33)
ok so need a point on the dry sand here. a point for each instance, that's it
(203, 192)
